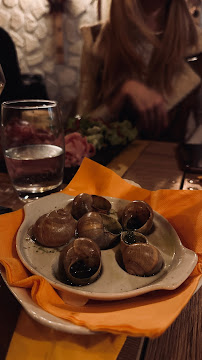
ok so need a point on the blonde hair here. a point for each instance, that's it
(119, 42)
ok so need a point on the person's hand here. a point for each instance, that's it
(149, 104)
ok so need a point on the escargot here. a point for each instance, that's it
(81, 261)
(137, 215)
(84, 203)
(132, 237)
(55, 228)
(101, 228)
(141, 259)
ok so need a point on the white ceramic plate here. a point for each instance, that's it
(114, 283)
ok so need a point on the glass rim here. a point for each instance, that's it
(29, 104)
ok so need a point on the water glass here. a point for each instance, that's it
(32, 138)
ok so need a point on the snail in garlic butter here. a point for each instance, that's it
(84, 203)
(81, 261)
(137, 215)
(142, 259)
(101, 228)
(55, 228)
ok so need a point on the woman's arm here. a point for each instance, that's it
(144, 101)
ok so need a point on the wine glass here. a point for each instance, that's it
(2, 79)
(33, 145)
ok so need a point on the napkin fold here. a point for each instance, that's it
(148, 315)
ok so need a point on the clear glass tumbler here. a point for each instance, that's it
(32, 138)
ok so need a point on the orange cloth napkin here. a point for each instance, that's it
(148, 315)
(32, 341)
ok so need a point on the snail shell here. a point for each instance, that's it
(99, 227)
(142, 259)
(138, 216)
(55, 228)
(81, 260)
(84, 203)
(131, 237)
(101, 204)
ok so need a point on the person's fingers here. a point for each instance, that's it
(148, 118)
(153, 118)
(160, 120)
(163, 115)
(144, 120)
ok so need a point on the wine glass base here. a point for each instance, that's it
(28, 197)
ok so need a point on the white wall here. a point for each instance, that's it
(31, 27)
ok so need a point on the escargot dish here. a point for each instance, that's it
(109, 255)
(55, 228)
(81, 261)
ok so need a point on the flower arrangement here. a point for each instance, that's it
(76, 148)
(85, 136)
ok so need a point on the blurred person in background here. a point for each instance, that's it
(194, 7)
(135, 66)
(13, 88)
(9, 62)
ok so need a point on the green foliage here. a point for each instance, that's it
(100, 133)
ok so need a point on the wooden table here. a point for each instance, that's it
(153, 165)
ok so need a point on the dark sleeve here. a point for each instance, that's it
(9, 62)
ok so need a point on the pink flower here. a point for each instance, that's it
(76, 148)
